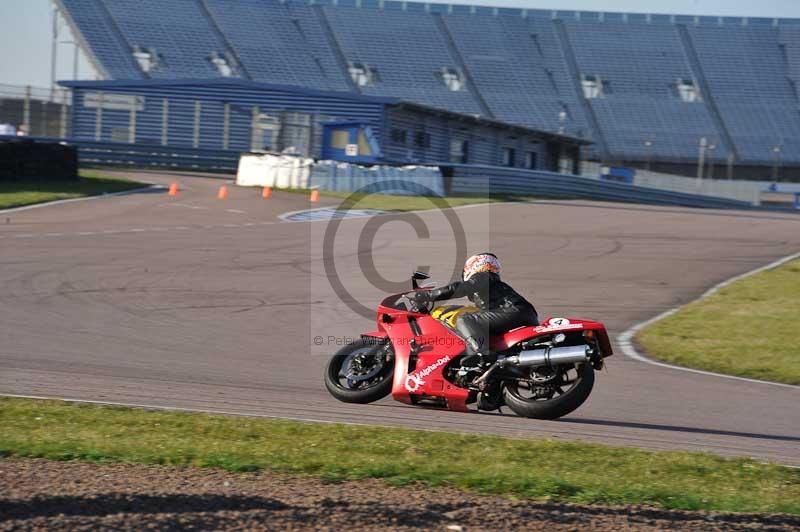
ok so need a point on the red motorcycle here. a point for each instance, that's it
(544, 371)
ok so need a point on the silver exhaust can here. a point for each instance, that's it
(550, 356)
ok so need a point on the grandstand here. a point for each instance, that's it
(648, 90)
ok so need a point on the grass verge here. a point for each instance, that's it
(748, 329)
(21, 193)
(541, 469)
(386, 202)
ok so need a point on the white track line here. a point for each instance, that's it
(625, 340)
(433, 208)
(178, 409)
(73, 200)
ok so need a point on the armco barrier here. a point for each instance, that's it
(92, 153)
(482, 180)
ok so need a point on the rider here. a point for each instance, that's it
(500, 308)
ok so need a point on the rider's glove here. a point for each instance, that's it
(425, 296)
(420, 297)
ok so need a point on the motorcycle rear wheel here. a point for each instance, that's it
(556, 407)
(371, 390)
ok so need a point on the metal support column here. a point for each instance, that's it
(226, 127)
(75, 59)
(132, 125)
(165, 122)
(54, 54)
(98, 118)
(62, 125)
(776, 162)
(701, 160)
(198, 109)
(26, 111)
(254, 130)
(731, 158)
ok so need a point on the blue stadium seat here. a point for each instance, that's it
(107, 43)
(272, 47)
(641, 113)
(180, 33)
(407, 50)
(517, 66)
(747, 73)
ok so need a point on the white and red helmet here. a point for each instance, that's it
(482, 262)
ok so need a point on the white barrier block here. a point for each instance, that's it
(268, 170)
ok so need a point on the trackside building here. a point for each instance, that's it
(240, 115)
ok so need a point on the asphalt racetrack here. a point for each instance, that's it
(218, 305)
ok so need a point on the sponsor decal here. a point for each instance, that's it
(557, 324)
(415, 380)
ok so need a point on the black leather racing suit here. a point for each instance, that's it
(501, 309)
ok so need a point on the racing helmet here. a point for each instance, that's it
(482, 262)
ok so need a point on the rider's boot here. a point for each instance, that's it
(475, 354)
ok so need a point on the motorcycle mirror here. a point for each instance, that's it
(418, 276)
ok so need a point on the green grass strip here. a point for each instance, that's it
(541, 469)
(748, 329)
(31, 191)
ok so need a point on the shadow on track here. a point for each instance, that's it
(623, 424)
(677, 428)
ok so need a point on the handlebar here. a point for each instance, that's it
(413, 307)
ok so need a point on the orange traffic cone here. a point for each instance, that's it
(314, 196)
(266, 193)
(173, 189)
(223, 192)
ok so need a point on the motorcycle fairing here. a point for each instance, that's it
(549, 326)
(424, 346)
(420, 360)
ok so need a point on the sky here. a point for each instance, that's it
(26, 28)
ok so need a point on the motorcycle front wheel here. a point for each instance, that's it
(566, 391)
(361, 372)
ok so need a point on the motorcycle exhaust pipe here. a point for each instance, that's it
(550, 356)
